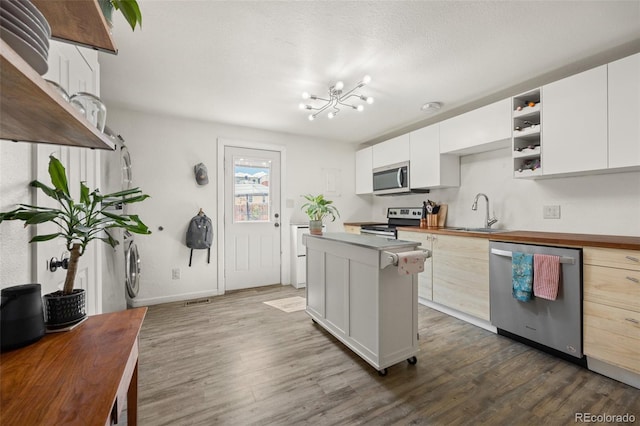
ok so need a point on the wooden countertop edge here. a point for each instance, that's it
(363, 223)
(544, 238)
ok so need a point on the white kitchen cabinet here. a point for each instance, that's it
(624, 110)
(575, 123)
(429, 168)
(392, 151)
(364, 171)
(482, 129)
(358, 296)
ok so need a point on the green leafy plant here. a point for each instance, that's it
(129, 9)
(78, 222)
(317, 208)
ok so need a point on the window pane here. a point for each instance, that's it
(251, 190)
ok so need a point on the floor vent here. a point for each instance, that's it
(197, 302)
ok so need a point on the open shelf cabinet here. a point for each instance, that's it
(30, 109)
(527, 134)
(79, 22)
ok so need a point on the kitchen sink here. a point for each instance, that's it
(481, 230)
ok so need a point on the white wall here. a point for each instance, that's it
(598, 204)
(165, 149)
(15, 251)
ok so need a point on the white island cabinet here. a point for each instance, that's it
(355, 292)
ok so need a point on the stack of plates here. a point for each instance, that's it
(26, 30)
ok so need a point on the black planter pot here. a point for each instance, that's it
(21, 316)
(63, 310)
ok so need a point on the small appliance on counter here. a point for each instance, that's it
(21, 316)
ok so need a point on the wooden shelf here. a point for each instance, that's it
(32, 111)
(79, 22)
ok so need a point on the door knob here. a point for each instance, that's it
(276, 215)
(277, 225)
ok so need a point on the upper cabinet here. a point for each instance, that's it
(429, 168)
(575, 123)
(482, 129)
(624, 110)
(591, 120)
(364, 171)
(32, 111)
(392, 151)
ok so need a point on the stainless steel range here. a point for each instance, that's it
(396, 216)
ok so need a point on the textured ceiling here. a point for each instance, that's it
(246, 63)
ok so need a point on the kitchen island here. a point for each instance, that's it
(355, 292)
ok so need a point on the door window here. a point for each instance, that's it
(252, 201)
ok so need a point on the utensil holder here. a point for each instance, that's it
(432, 221)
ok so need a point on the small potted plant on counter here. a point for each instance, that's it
(317, 208)
(78, 223)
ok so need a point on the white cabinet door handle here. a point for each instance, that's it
(633, 320)
(633, 259)
(635, 280)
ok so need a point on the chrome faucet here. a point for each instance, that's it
(488, 221)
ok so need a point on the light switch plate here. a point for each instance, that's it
(551, 212)
(175, 274)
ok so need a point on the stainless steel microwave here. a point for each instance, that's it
(393, 180)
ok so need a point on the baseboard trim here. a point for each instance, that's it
(460, 315)
(625, 376)
(138, 302)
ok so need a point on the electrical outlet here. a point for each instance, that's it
(175, 274)
(551, 212)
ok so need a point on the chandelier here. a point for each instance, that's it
(337, 99)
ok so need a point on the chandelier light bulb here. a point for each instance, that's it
(370, 100)
(311, 117)
(331, 115)
(366, 79)
(302, 106)
(305, 95)
(360, 108)
(339, 85)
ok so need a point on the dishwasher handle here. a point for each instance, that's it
(506, 253)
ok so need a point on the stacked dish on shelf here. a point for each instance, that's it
(26, 31)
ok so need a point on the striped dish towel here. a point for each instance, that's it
(546, 276)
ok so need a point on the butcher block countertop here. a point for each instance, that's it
(542, 238)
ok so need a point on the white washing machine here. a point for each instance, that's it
(123, 265)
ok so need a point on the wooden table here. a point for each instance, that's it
(78, 377)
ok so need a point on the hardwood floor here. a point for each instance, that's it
(237, 361)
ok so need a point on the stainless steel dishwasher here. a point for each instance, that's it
(551, 325)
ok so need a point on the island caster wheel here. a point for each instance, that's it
(313, 321)
(382, 372)
(413, 360)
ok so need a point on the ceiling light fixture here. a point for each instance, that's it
(431, 107)
(337, 99)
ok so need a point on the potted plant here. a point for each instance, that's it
(78, 222)
(129, 8)
(317, 208)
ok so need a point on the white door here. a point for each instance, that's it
(252, 232)
(81, 165)
(69, 68)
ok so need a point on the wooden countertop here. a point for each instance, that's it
(542, 238)
(73, 377)
(364, 223)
